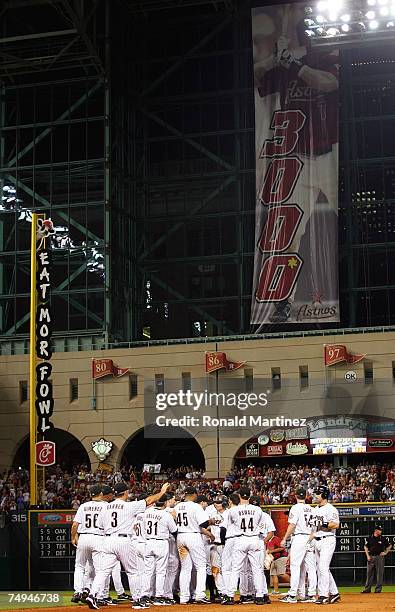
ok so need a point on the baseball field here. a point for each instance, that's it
(351, 599)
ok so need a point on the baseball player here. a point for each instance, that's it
(173, 564)
(116, 572)
(300, 83)
(116, 520)
(249, 521)
(86, 535)
(325, 521)
(246, 585)
(227, 553)
(203, 501)
(192, 522)
(302, 551)
(218, 512)
(159, 525)
(139, 541)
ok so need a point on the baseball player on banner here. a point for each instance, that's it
(296, 111)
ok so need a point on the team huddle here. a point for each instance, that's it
(172, 550)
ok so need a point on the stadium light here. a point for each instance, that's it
(61, 240)
(339, 22)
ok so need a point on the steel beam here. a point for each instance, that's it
(193, 306)
(26, 317)
(181, 61)
(177, 226)
(48, 130)
(40, 35)
(45, 203)
(190, 141)
(81, 24)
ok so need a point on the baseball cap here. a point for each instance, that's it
(377, 526)
(201, 498)
(169, 495)
(141, 497)
(219, 500)
(190, 491)
(300, 492)
(120, 488)
(244, 493)
(106, 490)
(95, 490)
(255, 500)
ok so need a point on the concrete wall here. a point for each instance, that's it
(117, 418)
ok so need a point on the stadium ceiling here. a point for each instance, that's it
(146, 6)
(42, 36)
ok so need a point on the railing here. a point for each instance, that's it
(95, 342)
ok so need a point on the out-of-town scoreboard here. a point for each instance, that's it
(52, 554)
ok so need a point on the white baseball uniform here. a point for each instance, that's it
(249, 522)
(227, 554)
(117, 520)
(216, 548)
(158, 527)
(325, 544)
(246, 586)
(90, 539)
(189, 517)
(173, 566)
(117, 580)
(301, 552)
(138, 540)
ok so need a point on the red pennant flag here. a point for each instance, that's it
(219, 361)
(337, 353)
(106, 367)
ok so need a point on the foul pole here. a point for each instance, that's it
(32, 361)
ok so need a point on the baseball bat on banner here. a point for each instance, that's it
(285, 20)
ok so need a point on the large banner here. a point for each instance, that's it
(296, 140)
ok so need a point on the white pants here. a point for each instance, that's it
(227, 562)
(216, 566)
(246, 580)
(156, 557)
(192, 554)
(117, 580)
(299, 556)
(84, 569)
(253, 549)
(324, 550)
(173, 566)
(115, 549)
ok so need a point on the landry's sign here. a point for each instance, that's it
(44, 397)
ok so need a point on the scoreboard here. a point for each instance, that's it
(52, 554)
(349, 560)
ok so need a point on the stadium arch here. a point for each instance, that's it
(69, 450)
(182, 449)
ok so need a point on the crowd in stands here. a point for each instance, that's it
(366, 482)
